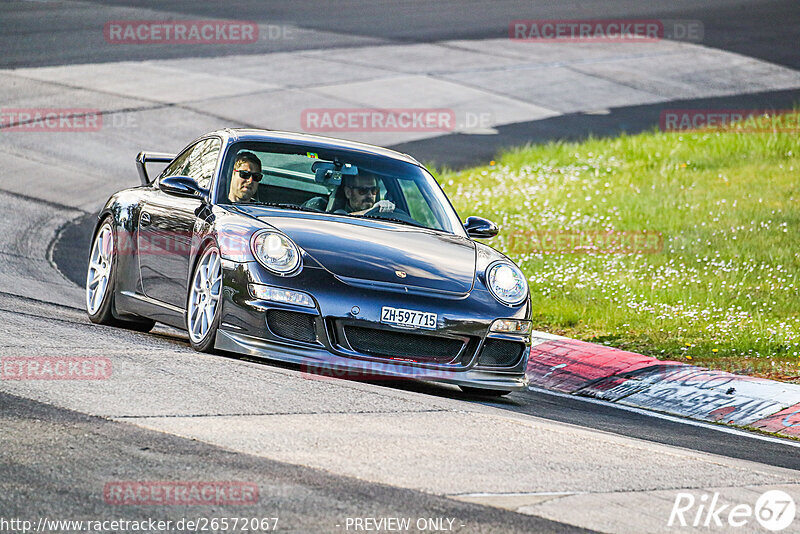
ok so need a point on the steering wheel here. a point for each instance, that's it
(396, 214)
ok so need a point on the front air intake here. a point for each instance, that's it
(292, 325)
(500, 353)
(399, 345)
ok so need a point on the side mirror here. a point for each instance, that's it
(480, 227)
(183, 186)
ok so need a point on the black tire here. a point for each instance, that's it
(480, 392)
(103, 313)
(139, 325)
(205, 342)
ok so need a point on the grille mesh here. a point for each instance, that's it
(292, 325)
(499, 353)
(387, 344)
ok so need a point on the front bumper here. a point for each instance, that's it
(320, 363)
(244, 329)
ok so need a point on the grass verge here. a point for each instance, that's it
(676, 245)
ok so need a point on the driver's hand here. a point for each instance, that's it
(384, 206)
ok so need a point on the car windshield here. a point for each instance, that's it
(335, 182)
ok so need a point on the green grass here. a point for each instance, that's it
(724, 289)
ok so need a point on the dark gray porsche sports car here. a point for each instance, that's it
(330, 254)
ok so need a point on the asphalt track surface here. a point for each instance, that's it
(34, 33)
(605, 417)
(38, 33)
(304, 500)
(750, 30)
(53, 460)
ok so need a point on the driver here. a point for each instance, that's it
(361, 192)
(245, 178)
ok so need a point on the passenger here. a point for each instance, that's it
(245, 178)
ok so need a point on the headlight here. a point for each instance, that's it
(275, 251)
(507, 283)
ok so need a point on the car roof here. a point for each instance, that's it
(274, 136)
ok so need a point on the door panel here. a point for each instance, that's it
(165, 245)
(166, 226)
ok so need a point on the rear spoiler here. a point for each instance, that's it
(150, 157)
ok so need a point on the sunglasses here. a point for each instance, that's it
(246, 175)
(366, 190)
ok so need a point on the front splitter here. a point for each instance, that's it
(318, 362)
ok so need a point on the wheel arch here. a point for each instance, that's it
(203, 244)
(197, 251)
(122, 212)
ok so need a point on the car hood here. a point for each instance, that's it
(375, 251)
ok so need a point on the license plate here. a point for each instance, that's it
(408, 318)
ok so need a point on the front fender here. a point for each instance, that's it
(123, 210)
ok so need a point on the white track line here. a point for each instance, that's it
(674, 419)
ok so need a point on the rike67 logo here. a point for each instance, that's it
(774, 510)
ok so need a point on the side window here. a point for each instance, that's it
(203, 161)
(197, 161)
(418, 207)
(177, 165)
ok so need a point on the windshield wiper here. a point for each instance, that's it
(403, 221)
(312, 210)
(289, 207)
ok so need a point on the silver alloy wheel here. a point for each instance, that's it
(204, 294)
(99, 273)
